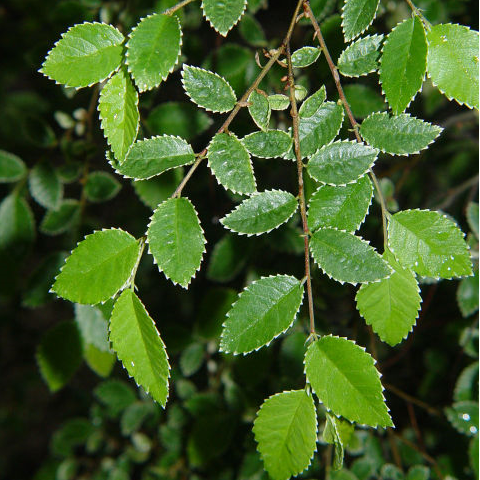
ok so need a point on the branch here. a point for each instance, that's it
(178, 6)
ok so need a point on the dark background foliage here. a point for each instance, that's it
(206, 427)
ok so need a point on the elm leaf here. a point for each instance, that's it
(224, 15)
(267, 144)
(357, 16)
(360, 58)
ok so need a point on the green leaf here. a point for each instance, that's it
(278, 101)
(12, 167)
(337, 432)
(261, 213)
(252, 32)
(403, 63)
(341, 162)
(98, 267)
(74, 432)
(99, 361)
(464, 417)
(347, 258)
(268, 144)
(93, 326)
(344, 378)
(115, 395)
(341, 207)
(176, 240)
(286, 432)
(70, 172)
(59, 354)
(429, 243)
(398, 135)
(191, 359)
(154, 191)
(259, 109)
(391, 306)
(138, 345)
(134, 416)
(360, 58)
(305, 56)
(363, 100)
(153, 50)
(45, 186)
(101, 186)
(208, 90)
(472, 217)
(118, 107)
(227, 259)
(418, 472)
(223, 16)
(56, 222)
(357, 16)
(264, 310)
(230, 163)
(473, 451)
(452, 62)
(153, 156)
(466, 386)
(86, 54)
(467, 295)
(311, 104)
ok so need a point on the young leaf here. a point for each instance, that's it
(341, 162)
(153, 49)
(261, 212)
(286, 432)
(56, 222)
(264, 310)
(101, 186)
(86, 54)
(230, 163)
(391, 306)
(341, 207)
(398, 135)
(403, 63)
(59, 354)
(98, 267)
(305, 56)
(357, 15)
(278, 101)
(337, 432)
(45, 186)
(208, 90)
(429, 243)
(223, 16)
(118, 107)
(138, 345)
(452, 62)
(153, 156)
(311, 104)
(360, 58)
(176, 240)
(269, 144)
(467, 295)
(345, 380)
(12, 167)
(347, 258)
(259, 109)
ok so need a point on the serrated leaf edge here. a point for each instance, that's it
(380, 36)
(349, 39)
(18, 161)
(266, 131)
(214, 27)
(305, 47)
(263, 128)
(59, 230)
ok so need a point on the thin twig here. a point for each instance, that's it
(301, 193)
(410, 399)
(178, 6)
(455, 192)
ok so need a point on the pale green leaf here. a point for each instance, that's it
(268, 144)
(138, 345)
(93, 326)
(403, 63)
(86, 54)
(153, 156)
(230, 163)
(12, 167)
(261, 213)
(300, 93)
(278, 101)
(45, 186)
(286, 432)
(118, 107)
(99, 361)
(452, 62)
(101, 186)
(343, 207)
(56, 222)
(344, 378)
(59, 354)
(464, 417)
(223, 15)
(398, 135)
(176, 240)
(363, 100)
(98, 267)
(264, 310)
(357, 15)
(341, 162)
(153, 49)
(259, 109)
(305, 56)
(360, 58)
(347, 258)
(429, 243)
(312, 103)
(472, 217)
(467, 295)
(391, 306)
(207, 89)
